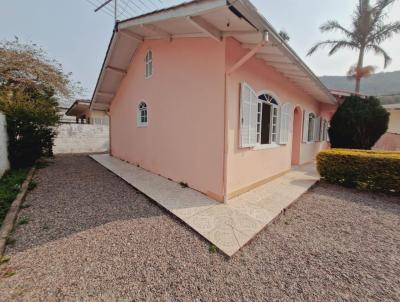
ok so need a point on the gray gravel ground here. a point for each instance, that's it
(91, 237)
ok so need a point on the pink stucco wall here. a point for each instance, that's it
(248, 166)
(184, 139)
(185, 136)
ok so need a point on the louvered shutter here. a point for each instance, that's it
(305, 126)
(317, 129)
(248, 116)
(245, 107)
(253, 118)
(322, 131)
(284, 124)
(328, 139)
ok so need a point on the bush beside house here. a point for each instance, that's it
(31, 120)
(358, 123)
(367, 170)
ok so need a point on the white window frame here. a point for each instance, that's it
(275, 113)
(148, 62)
(142, 120)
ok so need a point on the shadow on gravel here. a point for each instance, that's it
(377, 201)
(74, 194)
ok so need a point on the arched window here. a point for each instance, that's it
(267, 119)
(148, 64)
(142, 117)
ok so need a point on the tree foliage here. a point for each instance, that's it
(30, 84)
(23, 66)
(31, 124)
(368, 32)
(284, 35)
(358, 123)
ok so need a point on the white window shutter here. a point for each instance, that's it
(248, 116)
(327, 131)
(284, 124)
(253, 118)
(322, 131)
(317, 129)
(305, 126)
(245, 107)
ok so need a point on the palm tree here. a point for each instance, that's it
(367, 33)
(284, 35)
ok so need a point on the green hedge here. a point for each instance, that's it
(366, 170)
(10, 186)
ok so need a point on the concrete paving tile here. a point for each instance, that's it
(224, 238)
(253, 210)
(228, 226)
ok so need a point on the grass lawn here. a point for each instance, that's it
(10, 186)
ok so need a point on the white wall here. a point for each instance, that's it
(4, 164)
(81, 138)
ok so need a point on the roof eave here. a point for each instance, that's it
(106, 58)
(251, 13)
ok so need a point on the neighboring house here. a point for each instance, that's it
(64, 118)
(394, 119)
(80, 110)
(81, 130)
(390, 141)
(207, 93)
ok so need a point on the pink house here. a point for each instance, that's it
(207, 93)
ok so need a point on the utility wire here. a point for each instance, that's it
(145, 5)
(129, 8)
(133, 8)
(137, 6)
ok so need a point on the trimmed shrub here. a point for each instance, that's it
(365, 170)
(358, 123)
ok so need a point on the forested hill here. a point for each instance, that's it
(384, 83)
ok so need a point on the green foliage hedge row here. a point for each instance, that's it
(366, 170)
(10, 186)
(31, 120)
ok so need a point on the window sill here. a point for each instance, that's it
(142, 126)
(317, 142)
(268, 146)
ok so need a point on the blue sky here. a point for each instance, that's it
(77, 37)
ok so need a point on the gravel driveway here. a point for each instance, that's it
(91, 236)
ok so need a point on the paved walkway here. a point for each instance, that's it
(228, 226)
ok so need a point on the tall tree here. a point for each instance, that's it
(27, 66)
(30, 85)
(284, 35)
(368, 32)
